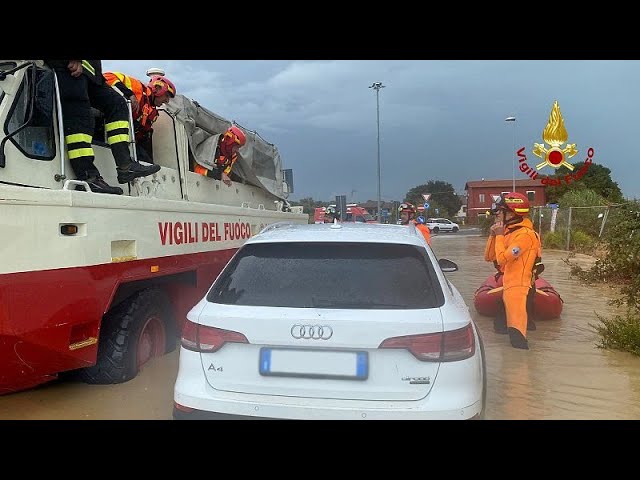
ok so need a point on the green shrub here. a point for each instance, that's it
(621, 265)
(619, 332)
(581, 198)
(581, 241)
(553, 240)
(485, 222)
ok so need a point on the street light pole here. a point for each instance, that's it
(513, 119)
(377, 86)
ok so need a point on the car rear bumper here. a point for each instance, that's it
(206, 415)
(448, 400)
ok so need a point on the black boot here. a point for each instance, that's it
(127, 168)
(531, 325)
(98, 185)
(135, 170)
(500, 320)
(517, 339)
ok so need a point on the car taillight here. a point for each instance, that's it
(182, 408)
(437, 347)
(200, 338)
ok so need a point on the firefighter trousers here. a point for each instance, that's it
(515, 303)
(77, 96)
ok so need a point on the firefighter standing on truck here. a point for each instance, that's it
(82, 86)
(145, 100)
(225, 156)
(517, 248)
(407, 212)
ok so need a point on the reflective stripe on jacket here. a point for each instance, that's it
(146, 113)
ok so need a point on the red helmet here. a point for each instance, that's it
(407, 207)
(235, 135)
(160, 85)
(516, 202)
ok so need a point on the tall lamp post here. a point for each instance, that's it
(377, 86)
(513, 119)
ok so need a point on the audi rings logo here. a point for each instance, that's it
(311, 332)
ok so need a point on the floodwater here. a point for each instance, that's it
(563, 375)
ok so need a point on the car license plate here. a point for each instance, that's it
(293, 362)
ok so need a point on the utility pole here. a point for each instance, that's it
(513, 119)
(377, 86)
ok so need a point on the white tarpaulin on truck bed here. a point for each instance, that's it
(258, 161)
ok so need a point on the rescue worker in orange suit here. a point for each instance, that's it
(145, 100)
(517, 248)
(82, 86)
(407, 212)
(490, 256)
(225, 156)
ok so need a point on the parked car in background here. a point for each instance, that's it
(332, 321)
(442, 225)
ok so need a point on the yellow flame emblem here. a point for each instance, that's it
(555, 135)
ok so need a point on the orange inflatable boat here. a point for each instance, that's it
(547, 303)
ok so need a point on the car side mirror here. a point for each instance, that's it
(447, 266)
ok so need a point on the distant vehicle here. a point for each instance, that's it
(442, 225)
(354, 214)
(332, 321)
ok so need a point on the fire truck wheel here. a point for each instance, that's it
(132, 333)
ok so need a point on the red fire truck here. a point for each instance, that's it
(100, 284)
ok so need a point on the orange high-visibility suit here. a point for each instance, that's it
(516, 252)
(426, 233)
(225, 164)
(146, 113)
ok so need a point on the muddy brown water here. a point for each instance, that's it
(564, 375)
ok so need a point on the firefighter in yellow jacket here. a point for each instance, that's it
(517, 248)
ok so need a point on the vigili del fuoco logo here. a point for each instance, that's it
(555, 156)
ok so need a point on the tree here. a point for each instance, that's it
(596, 178)
(443, 197)
(309, 205)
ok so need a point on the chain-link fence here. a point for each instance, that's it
(574, 228)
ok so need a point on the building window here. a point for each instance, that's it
(531, 195)
(481, 197)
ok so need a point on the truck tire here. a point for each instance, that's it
(132, 333)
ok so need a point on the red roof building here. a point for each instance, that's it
(480, 194)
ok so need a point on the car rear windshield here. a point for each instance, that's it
(329, 275)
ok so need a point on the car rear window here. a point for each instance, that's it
(329, 275)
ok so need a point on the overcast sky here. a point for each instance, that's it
(439, 120)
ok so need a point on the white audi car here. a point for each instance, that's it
(332, 321)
